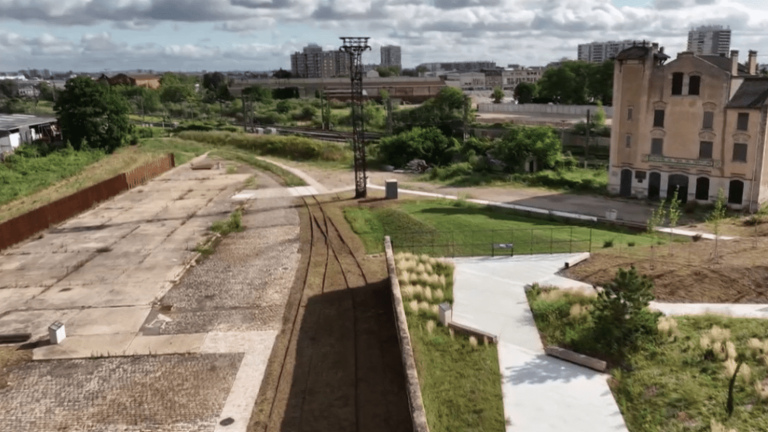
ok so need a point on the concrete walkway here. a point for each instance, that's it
(300, 174)
(541, 393)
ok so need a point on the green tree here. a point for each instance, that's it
(497, 95)
(578, 82)
(621, 316)
(600, 81)
(212, 81)
(428, 144)
(522, 142)
(8, 89)
(525, 92)
(93, 114)
(258, 93)
(449, 99)
(176, 88)
(598, 119)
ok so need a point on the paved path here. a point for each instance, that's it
(541, 393)
(298, 173)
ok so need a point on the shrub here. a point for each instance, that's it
(621, 314)
(292, 147)
(451, 171)
(428, 144)
(608, 243)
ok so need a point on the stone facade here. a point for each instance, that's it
(696, 124)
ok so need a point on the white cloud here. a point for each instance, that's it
(507, 31)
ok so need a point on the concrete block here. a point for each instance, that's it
(391, 189)
(57, 333)
(445, 313)
(576, 358)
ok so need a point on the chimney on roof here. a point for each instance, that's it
(752, 62)
(734, 63)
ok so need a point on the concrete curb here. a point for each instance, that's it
(576, 358)
(416, 404)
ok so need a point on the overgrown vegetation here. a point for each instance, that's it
(232, 224)
(28, 171)
(459, 377)
(460, 228)
(291, 147)
(670, 374)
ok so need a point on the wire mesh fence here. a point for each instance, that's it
(659, 248)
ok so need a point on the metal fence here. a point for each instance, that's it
(550, 240)
(660, 248)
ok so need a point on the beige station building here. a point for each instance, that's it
(695, 124)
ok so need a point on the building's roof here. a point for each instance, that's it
(723, 63)
(137, 76)
(15, 121)
(637, 52)
(753, 93)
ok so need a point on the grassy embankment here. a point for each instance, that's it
(27, 183)
(460, 379)
(448, 228)
(676, 380)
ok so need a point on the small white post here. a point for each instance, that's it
(446, 313)
(56, 332)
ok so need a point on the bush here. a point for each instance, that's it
(307, 112)
(522, 142)
(428, 144)
(292, 147)
(451, 171)
(608, 244)
(621, 316)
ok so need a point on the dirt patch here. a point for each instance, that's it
(691, 272)
(11, 357)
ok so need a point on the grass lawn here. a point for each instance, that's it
(460, 383)
(458, 228)
(673, 382)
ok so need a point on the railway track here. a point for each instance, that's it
(333, 269)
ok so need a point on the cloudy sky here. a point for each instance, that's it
(99, 35)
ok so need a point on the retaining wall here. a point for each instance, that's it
(580, 110)
(415, 403)
(25, 226)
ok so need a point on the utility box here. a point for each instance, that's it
(391, 189)
(446, 313)
(56, 332)
(611, 214)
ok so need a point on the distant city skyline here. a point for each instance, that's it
(258, 35)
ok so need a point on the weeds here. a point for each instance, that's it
(230, 225)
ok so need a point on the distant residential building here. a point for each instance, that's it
(518, 74)
(598, 52)
(710, 40)
(466, 66)
(313, 62)
(493, 78)
(390, 56)
(465, 80)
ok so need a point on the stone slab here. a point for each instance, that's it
(108, 321)
(77, 347)
(15, 298)
(34, 321)
(234, 342)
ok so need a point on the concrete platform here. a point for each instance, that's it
(541, 393)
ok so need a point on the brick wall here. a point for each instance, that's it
(22, 227)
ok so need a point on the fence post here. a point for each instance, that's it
(590, 239)
(493, 237)
(551, 239)
(570, 242)
(453, 245)
(531, 241)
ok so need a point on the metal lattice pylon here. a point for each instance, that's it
(354, 47)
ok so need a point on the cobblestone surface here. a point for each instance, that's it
(172, 393)
(243, 286)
